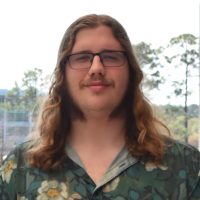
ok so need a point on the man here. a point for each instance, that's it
(97, 137)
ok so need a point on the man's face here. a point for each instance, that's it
(97, 89)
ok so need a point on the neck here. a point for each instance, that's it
(97, 141)
(97, 132)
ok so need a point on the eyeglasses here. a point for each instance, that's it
(107, 58)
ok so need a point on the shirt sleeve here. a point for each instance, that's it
(196, 192)
(192, 159)
(7, 178)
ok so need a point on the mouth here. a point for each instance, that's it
(97, 86)
(97, 83)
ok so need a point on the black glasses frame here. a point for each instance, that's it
(97, 54)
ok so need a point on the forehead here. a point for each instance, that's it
(96, 39)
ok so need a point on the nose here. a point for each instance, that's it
(97, 67)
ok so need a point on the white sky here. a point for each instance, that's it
(31, 30)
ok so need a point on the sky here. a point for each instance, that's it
(31, 30)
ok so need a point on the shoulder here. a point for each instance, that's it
(16, 156)
(14, 160)
(182, 158)
(23, 147)
(182, 150)
(12, 170)
(183, 162)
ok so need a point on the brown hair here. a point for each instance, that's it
(143, 139)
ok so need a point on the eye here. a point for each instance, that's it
(111, 56)
(81, 58)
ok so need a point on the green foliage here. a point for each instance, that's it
(186, 56)
(13, 99)
(31, 83)
(174, 117)
(193, 125)
(183, 39)
(149, 59)
(193, 110)
(25, 97)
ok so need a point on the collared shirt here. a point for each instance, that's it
(127, 178)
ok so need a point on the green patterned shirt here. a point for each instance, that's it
(177, 178)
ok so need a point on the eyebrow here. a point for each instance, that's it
(103, 50)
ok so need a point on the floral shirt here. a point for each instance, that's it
(177, 178)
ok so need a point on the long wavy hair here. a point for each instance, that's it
(143, 138)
